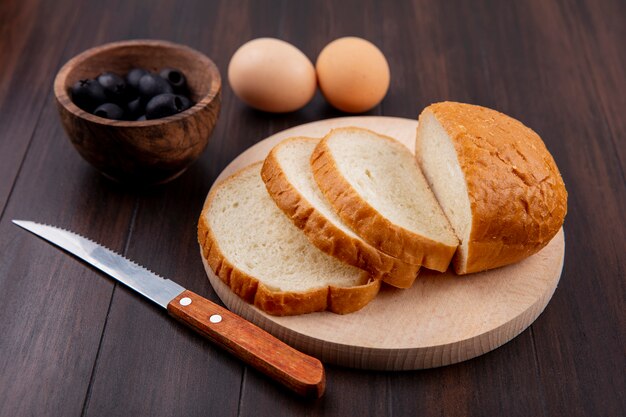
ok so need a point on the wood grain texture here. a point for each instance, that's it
(195, 375)
(441, 320)
(28, 69)
(55, 308)
(68, 347)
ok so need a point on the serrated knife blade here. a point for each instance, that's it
(297, 371)
(140, 279)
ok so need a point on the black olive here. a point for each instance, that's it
(151, 85)
(186, 103)
(114, 86)
(165, 105)
(135, 107)
(88, 94)
(176, 79)
(109, 111)
(134, 75)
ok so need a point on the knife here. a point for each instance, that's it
(301, 373)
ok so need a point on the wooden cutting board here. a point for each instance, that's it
(442, 319)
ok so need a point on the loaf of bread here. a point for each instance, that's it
(376, 187)
(258, 252)
(289, 180)
(495, 180)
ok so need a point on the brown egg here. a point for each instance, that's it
(272, 75)
(353, 74)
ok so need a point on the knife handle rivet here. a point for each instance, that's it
(215, 318)
(185, 301)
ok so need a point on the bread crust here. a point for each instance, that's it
(340, 300)
(517, 196)
(374, 228)
(322, 233)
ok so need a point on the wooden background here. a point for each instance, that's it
(72, 343)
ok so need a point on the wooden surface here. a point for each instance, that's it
(73, 343)
(442, 319)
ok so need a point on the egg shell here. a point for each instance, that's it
(272, 75)
(353, 74)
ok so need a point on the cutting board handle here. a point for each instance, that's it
(301, 373)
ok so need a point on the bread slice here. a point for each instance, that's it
(494, 179)
(375, 185)
(266, 260)
(289, 180)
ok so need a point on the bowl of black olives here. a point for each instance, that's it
(139, 111)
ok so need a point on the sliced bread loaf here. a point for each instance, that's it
(375, 185)
(289, 180)
(266, 260)
(494, 179)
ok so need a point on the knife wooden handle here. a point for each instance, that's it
(295, 370)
